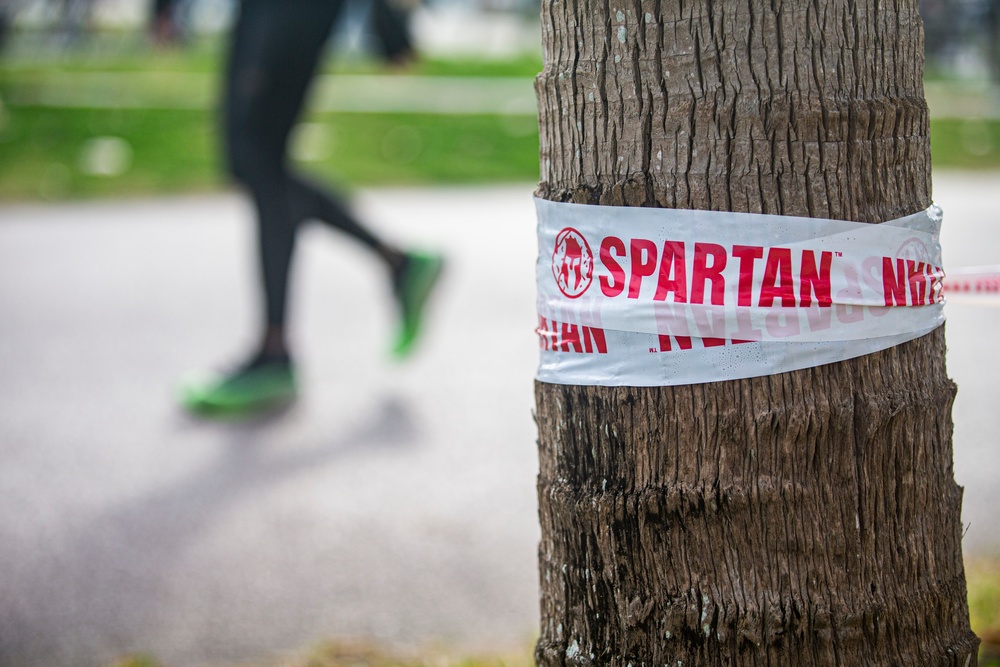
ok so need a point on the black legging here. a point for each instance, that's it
(275, 50)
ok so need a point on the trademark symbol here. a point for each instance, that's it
(653, 350)
(839, 254)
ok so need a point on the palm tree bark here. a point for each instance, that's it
(805, 518)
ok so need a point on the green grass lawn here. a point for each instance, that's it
(54, 153)
(58, 153)
(49, 153)
(983, 577)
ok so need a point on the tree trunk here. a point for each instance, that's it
(806, 518)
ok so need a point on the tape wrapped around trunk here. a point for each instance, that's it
(655, 297)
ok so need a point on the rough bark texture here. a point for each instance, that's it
(807, 518)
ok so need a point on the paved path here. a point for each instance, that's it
(394, 503)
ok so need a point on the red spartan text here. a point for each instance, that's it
(908, 282)
(563, 337)
(685, 343)
(787, 279)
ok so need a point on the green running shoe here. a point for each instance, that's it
(413, 285)
(254, 388)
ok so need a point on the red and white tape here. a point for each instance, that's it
(972, 280)
(657, 297)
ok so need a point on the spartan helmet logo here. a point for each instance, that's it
(572, 263)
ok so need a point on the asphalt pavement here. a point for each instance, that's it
(394, 502)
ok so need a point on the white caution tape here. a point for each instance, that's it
(656, 297)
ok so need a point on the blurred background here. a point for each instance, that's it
(95, 105)
(98, 101)
(389, 517)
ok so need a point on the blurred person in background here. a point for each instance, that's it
(390, 21)
(939, 27)
(992, 20)
(69, 21)
(4, 24)
(74, 20)
(275, 50)
(164, 27)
